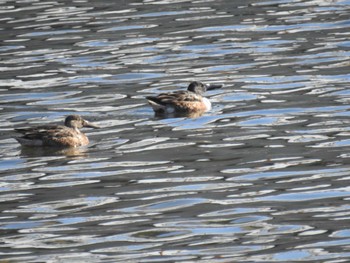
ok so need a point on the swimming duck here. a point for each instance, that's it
(183, 102)
(68, 135)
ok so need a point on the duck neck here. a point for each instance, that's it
(75, 129)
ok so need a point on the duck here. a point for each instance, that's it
(66, 136)
(187, 102)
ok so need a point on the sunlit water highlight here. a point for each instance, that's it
(262, 177)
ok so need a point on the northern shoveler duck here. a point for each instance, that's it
(183, 102)
(68, 135)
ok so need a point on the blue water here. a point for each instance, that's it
(262, 177)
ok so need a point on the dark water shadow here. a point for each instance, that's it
(191, 115)
(80, 152)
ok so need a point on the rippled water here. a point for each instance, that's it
(263, 177)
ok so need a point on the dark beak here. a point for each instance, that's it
(214, 86)
(90, 125)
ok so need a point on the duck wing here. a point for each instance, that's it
(47, 133)
(41, 131)
(174, 97)
(51, 135)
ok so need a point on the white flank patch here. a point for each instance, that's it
(207, 104)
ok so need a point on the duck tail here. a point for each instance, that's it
(21, 130)
(155, 103)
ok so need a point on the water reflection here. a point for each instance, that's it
(261, 177)
(30, 152)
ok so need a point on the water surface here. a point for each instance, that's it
(262, 177)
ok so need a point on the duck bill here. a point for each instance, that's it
(214, 86)
(90, 125)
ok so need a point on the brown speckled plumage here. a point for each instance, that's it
(187, 102)
(182, 101)
(56, 135)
